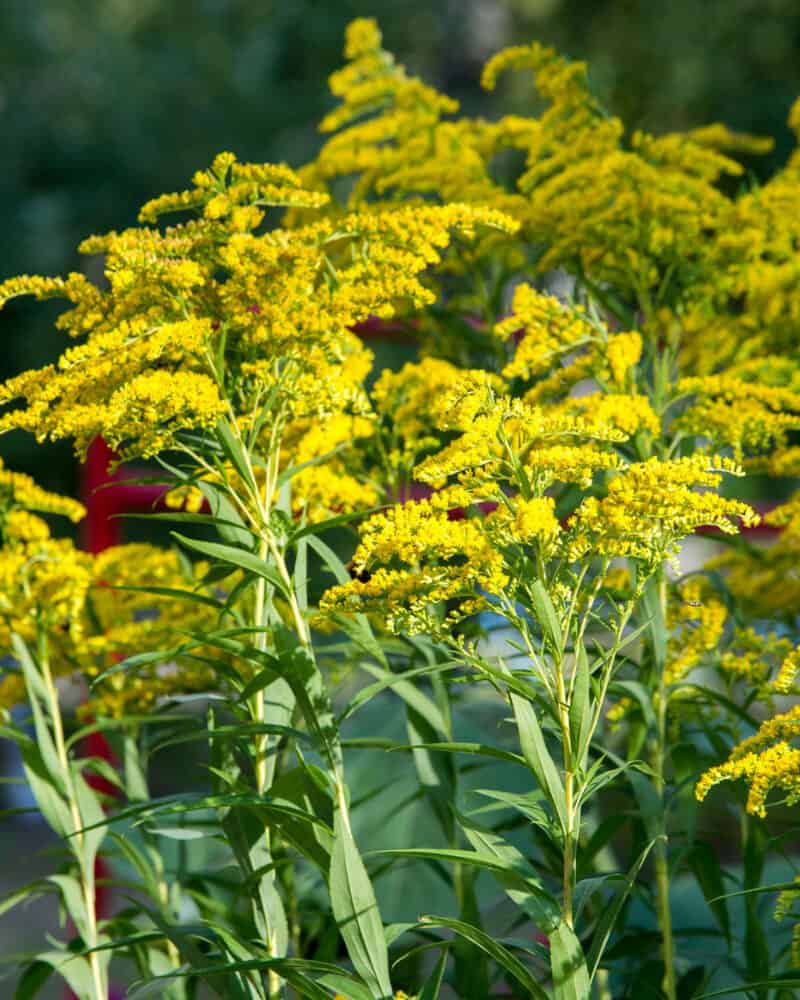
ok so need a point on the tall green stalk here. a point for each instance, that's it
(661, 846)
(84, 859)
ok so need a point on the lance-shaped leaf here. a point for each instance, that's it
(568, 965)
(504, 958)
(356, 911)
(538, 758)
(236, 557)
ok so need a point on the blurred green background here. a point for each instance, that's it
(104, 103)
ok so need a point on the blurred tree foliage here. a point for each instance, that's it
(104, 103)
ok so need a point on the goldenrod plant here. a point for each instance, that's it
(606, 326)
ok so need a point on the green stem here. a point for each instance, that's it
(568, 874)
(86, 871)
(264, 767)
(661, 847)
(258, 706)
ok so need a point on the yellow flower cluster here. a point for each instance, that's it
(623, 351)
(783, 682)
(43, 580)
(505, 438)
(625, 216)
(77, 604)
(412, 558)
(238, 191)
(628, 414)
(395, 134)
(696, 619)
(740, 413)
(776, 768)
(653, 504)
(745, 302)
(409, 403)
(549, 329)
(215, 309)
(524, 521)
(19, 493)
(768, 759)
(645, 216)
(328, 455)
(754, 656)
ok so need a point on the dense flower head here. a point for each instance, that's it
(744, 304)
(767, 761)
(775, 768)
(754, 656)
(412, 558)
(418, 410)
(696, 619)
(75, 605)
(626, 413)
(328, 454)
(218, 308)
(549, 330)
(522, 522)
(504, 439)
(740, 410)
(228, 187)
(20, 494)
(43, 580)
(651, 505)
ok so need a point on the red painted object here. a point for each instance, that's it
(106, 494)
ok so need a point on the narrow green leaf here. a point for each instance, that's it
(50, 802)
(390, 681)
(235, 453)
(183, 595)
(763, 984)
(548, 619)
(580, 710)
(411, 695)
(705, 866)
(568, 965)
(356, 912)
(430, 991)
(527, 803)
(345, 986)
(656, 624)
(540, 905)
(300, 573)
(501, 955)
(226, 514)
(476, 749)
(28, 892)
(93, 818)
(74, 903)
(607, 921)
(75, 969)
(40, 698)
(32, 980)
(240, 558)
(538, 758)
